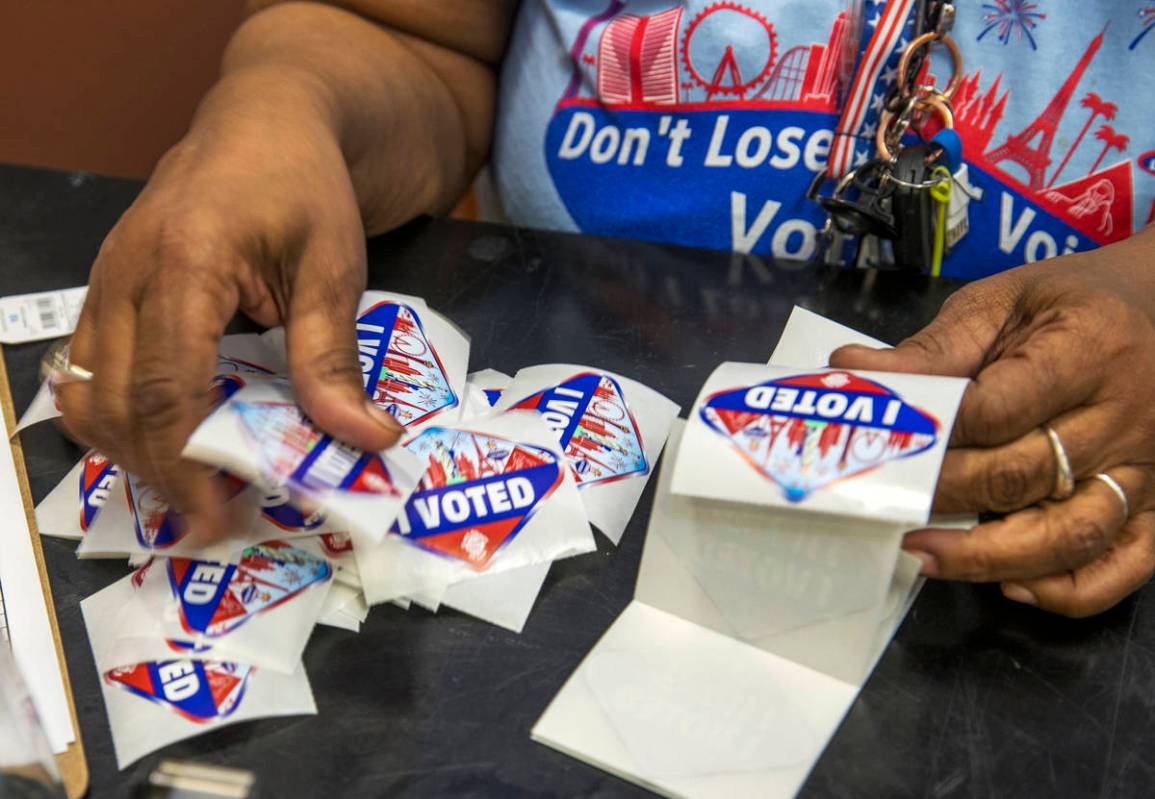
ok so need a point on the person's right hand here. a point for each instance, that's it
(254, 216)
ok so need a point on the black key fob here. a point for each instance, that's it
(913, 209)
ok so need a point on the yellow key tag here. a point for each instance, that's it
(940, 193)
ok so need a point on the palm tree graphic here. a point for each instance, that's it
(1110, 138)
(1099, 108)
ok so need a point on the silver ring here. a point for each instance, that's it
(1064, 478)
(62, 370)
(1113, 484)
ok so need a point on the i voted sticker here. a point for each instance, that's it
(155, 527)
(200, 691)
(594, 425)
(336, 544)
(478, 493)
(293, 451)
(97, 477)
(809, 431)
(229, 378)
(277, 508)
(216, 598)
(155, 524)
(399, 365)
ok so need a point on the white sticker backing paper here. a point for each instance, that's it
(612, 430)
(259, 611)
(155, 702)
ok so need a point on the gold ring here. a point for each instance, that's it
(933, 102)
(1113, 484)
(60, 369)
(955, 59)
(1064, 478)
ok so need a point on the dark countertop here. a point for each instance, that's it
(975, 697)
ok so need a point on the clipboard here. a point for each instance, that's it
(72, 764)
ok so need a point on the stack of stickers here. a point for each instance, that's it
(495, 478)
(772, 577)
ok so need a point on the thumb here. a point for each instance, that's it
(321, 343)
(955, 343)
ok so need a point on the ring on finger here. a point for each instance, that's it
(58, 367)
(1064, 477)
(1113, 484)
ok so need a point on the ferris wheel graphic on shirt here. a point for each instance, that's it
(725, 53)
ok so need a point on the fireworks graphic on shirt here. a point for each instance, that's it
(1147, 21)
(1008, 18)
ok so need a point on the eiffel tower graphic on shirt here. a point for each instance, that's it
(1031, 147)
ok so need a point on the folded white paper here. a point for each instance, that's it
(135, 521)
(70, 508)
(344, 608)
(611, 428)
(809, 340)
(482, 391)
(42, 408)
(672, 700)
(176, 694)
(504, 599)
(497, 495)
(755, 622)
(156, 703)
(262, 436)
(260, 611)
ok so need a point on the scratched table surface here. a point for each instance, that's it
(975, 697)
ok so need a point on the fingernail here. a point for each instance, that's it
(929, 562)
(1016, 593)
(384, 419)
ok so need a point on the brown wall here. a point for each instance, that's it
(105, 86)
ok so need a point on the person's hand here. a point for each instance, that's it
(255, 217)
(1069, 344)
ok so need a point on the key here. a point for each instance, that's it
(860, 205)
(913, 208)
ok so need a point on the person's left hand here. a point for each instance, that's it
(1068, 344)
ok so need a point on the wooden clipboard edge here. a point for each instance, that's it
(72, 764)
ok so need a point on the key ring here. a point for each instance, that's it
(926, 40)
(940, 107)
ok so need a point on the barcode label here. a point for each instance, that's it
(47, 314)
(49, 318)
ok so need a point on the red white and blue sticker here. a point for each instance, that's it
(229, 380)
(594, 425)
(216, 598)
(336, 545)
(809, 431)
(155, 526)
(295, 452)
(97, 477)
(278, 509)
(399, 365)
(201, 691)
(478, 493)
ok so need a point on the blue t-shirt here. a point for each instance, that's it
(703, 122)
